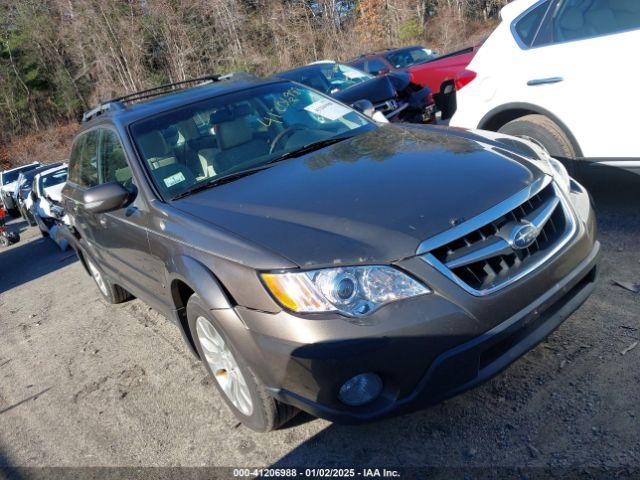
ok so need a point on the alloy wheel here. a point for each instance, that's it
(224, 366)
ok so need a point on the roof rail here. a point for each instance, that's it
(118, 103)
(100, 109)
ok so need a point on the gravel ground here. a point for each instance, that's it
(87, 384)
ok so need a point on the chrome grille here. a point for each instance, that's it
(486, 254)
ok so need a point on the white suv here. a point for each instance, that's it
(563, 73)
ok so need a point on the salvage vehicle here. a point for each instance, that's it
(46, 199)
(393, 95)
(385, 61)
(8, 183)
(559, 52)
(24, 185)
(444, 75)
(314, 259)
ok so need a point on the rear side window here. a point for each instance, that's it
(113, 162)
(83, 164)
(581, 19)
(527, 26)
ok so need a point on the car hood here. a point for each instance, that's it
(370, 199)
(55, 192)
(376, 90)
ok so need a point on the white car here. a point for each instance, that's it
(8, 184)
(45, 202)
(561, 72)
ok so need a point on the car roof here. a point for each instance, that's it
(130, 113)
(35, 171)
(20, 167)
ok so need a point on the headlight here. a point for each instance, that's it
(352, 291)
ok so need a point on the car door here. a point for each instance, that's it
(122, 234)
(576, 62)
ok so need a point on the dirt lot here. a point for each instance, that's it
(86, 384)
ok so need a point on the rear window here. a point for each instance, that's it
(54, 178)
(406, 58)
(527, 26)
(376, 66)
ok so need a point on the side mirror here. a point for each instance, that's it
(365, 107)
(105, 198)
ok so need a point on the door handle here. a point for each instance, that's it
(544, 81)
(103, 221)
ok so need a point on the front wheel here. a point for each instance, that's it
(241, 390)
(544, 131)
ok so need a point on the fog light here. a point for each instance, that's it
(360, 389)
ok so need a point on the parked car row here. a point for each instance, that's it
(8, 185)
(24, 186)
(35, 195)
(393, 95)
(442, 74)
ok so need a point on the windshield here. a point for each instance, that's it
(408, 57)
(12, 176)
(195, 144)
(54, 178)
(329, 78)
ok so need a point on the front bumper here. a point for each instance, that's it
(471, 363)
(426, 348)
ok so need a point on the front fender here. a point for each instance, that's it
(200, 279)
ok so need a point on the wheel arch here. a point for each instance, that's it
(190, 276)
(504, 114)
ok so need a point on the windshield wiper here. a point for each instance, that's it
(214, 182)
(310, 147)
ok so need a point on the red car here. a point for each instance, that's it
(442, 74)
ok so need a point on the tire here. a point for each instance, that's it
(28, 217)
(265, 413)
(110, 292)
(544, 131)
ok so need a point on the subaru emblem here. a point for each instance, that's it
(523, 235)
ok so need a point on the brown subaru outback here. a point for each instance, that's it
(314, 259)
